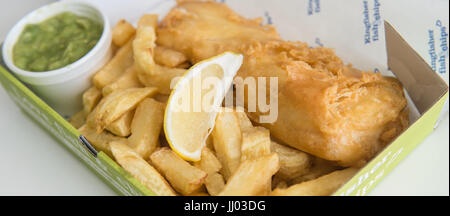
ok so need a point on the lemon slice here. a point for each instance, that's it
(194, 102)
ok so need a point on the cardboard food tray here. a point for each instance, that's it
(427, 91)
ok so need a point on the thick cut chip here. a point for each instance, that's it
(78, 119)
(149, 73)
(91, 97)
(122, 126)
(293, 163)
(168, 57)
(122, 32)
(164, 78)
(148, 20)
(214, 183)
(116, 67)
(318, 168)
(252, 176)
(184, 177)
(255, 143)
(322, 186)
(128, 80)
(209, 162)
(244, 121)
(140, 169)
(146, 127)
(144, 43)
(227, 139)
(116, 104)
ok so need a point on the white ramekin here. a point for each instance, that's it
(62, 88)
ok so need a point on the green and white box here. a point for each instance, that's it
(428, 93)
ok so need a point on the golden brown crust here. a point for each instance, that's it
(326, 108)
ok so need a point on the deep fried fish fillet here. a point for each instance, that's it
(326, 108)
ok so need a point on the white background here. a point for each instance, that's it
(33, 163)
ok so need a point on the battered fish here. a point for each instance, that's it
(326, 108)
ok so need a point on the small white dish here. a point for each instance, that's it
(62, 88)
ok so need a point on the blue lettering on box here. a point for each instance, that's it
(366, 21)
(313, 7)
(318, 42)
(438, 54)
(268, 18)
(371, 29)
(443, 44)
(432, 50)
(317, 4)
(377, 22)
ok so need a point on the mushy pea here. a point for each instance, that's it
(56, 42)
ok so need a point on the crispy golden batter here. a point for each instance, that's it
(326, 108)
